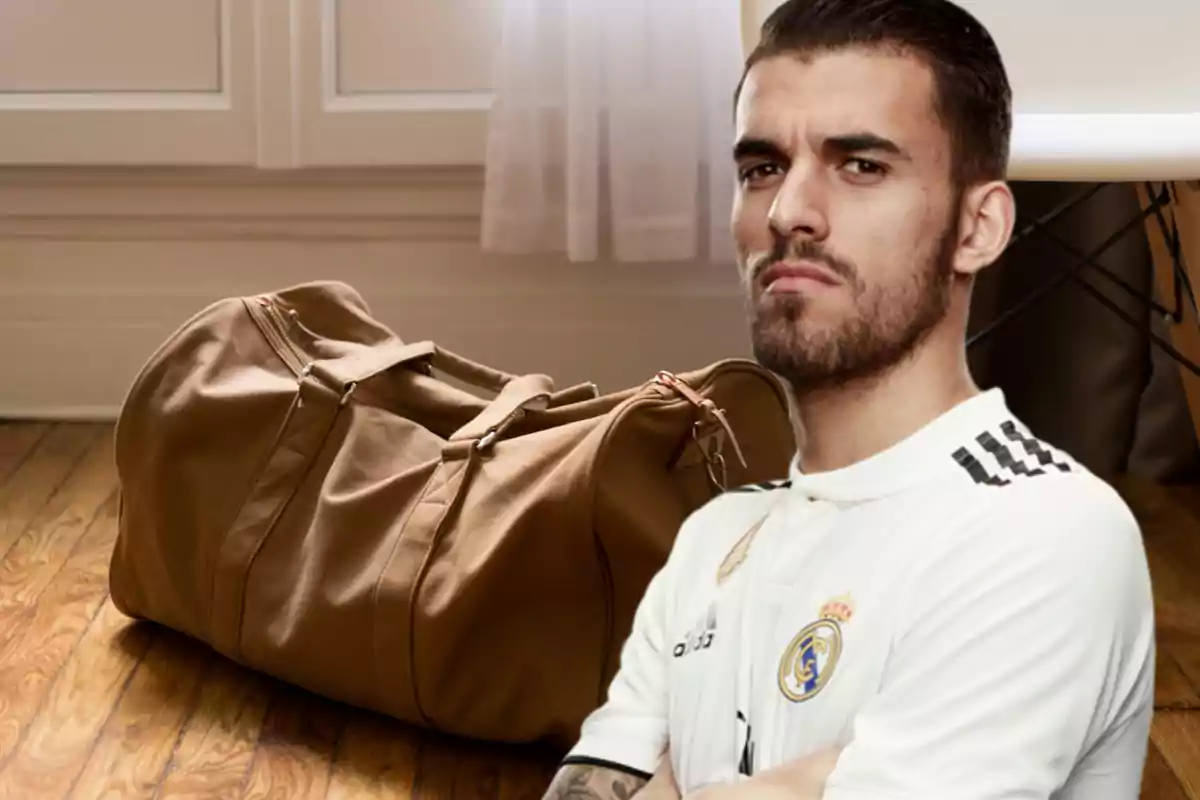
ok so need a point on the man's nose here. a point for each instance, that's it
(799, 207)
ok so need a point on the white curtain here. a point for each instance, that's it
(611, 132)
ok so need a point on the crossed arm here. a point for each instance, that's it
(803, 779)
(586, 782)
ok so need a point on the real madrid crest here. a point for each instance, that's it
(812, 656)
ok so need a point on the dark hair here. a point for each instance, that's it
(972, 94)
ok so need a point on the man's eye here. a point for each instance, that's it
(757, 172)
(860, 166)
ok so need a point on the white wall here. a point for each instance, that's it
(98, 268)
(163, 155)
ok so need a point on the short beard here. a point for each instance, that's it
(888, 328)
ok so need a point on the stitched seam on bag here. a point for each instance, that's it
(606, 580)
(450, 507)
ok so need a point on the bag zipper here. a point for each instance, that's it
(275, 328)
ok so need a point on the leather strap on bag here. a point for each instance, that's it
(519, 395)
(514, 392)
(349, 370)
(471, 372)
(437, 511)
(361, 366)
(574, 394)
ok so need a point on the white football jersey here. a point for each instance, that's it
(969, 613)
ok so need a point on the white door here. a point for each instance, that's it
(394, 82)
(127, 82)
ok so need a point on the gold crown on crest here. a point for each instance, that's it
(840, 609)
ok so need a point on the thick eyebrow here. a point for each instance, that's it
(845, 144)
(749, 147)
(851, 143)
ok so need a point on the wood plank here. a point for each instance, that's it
(527, 777)
(1158, 781)
(60, 739)
(136, 745)
(376, 757)
(18, 440)
(450, 768)
(45, 635)
(47, 542)
(1170, 529)
(1168, 525)
(1172, 688)
(213, 757)
(1174, 553)
(379, 757)
(22, 497)
(1176, 735)
(1185, 651)
(295, 751)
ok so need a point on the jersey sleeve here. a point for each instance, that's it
(1025, 659)
(629, 731)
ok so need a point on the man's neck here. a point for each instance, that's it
(839, 427)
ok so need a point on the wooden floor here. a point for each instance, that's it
(94, 706)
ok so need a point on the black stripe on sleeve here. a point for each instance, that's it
(1033, 447)
(1003, 457)
(764, 486)
(980, 475)
(604, 764)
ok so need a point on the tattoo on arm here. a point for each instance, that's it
(585, 782)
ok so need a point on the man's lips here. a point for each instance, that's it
(789, 276)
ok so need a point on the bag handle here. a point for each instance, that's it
(514, 394)
(518, 396)
(574, 394)
(358, 367)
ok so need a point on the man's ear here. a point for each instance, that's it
(988, 213)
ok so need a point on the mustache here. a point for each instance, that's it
(804, 250)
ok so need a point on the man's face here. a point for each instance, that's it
(845, 219)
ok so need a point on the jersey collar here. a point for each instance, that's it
(920, 458)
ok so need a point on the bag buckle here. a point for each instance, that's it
(711, 446)
(712, 443)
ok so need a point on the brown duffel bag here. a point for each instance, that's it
(310, 496)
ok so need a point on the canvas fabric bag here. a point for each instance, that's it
(324, 503)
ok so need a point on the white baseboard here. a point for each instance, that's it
(98, 267)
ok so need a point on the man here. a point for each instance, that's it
(934, 605)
